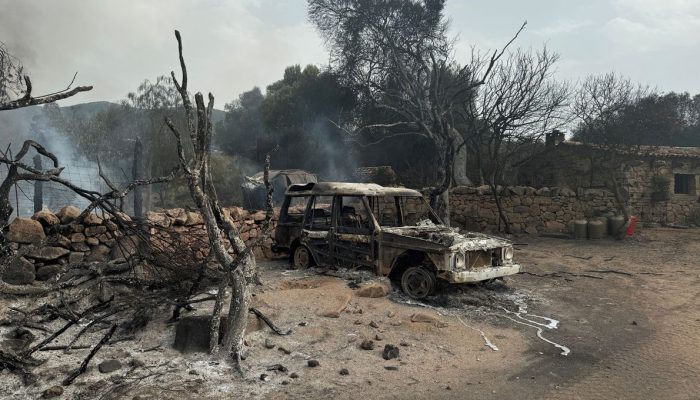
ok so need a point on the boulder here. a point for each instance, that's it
(19, 272)
(373, 290)
(47, 253)
(92, 241)
(68, 214)
(25, 230)
(46, 218)
(554, 226)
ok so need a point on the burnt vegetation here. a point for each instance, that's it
(393, 94)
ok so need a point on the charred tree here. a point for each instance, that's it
(237, 271)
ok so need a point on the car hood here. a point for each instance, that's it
(449, 237)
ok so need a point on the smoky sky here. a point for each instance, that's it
(231, 46)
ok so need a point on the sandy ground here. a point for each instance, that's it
(626, 316)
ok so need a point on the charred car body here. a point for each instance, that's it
(391, 230)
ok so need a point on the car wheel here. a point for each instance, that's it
(418, 282)
(301, 259)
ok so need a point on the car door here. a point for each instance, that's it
(352, 240)
(316, 229)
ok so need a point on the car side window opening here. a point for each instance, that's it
(415, 210)
(386, 210)
(352, 215)
(319, 214)
(295, 207)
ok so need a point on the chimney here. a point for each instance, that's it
(553, 138)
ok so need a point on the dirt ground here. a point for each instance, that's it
(587, 320)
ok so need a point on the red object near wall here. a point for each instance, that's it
(632, 226)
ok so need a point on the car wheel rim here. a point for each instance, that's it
(417, 283)
(301, 258)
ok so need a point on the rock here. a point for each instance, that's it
(258, 216)
(95, 230)
(373, 290)
(517, 190)
(367, 345)
(373, 324)
(80, 247)
(58, 240)
(313, 363)
(68, 214)
(425, 318)
(47, 253)
(391, 368)
(77, 237)
(390, 352)
(531, 230)
(284, 350)
(75, 257)
(46, 218)
(92, 241)
(554, 226)
(125, 247)
(99, 253)
(344, 372)
(269, 344)
(378, 337)
(294, 375)
(47, 272)
(25, 230)
(194, 219)
(53, 391)
(192, 333)
(92, 219)
(108, 366)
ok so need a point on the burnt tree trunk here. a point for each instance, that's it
(38, 187)
(138, 173)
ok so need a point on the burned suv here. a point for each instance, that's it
(391, 230)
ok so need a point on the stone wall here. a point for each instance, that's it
(529, 210)
(51, 241)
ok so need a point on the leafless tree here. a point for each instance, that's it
(16, 87)
(599, 106)
(239, 269)
(519, 102)
(398, 57)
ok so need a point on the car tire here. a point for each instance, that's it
(301, 257)
(418, 282)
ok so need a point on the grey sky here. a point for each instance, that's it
(233, 45)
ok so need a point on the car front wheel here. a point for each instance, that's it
(301, 259)
(418, 282)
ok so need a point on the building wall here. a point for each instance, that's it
(529, 210)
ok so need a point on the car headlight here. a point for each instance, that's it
(460, 262)
(508, 253)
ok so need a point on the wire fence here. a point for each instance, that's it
(54, 196)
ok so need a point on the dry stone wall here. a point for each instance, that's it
(50, 241)
(528, 209)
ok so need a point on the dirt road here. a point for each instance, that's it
(625, 314)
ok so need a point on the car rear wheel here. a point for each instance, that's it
(301, 259)
(418, 282)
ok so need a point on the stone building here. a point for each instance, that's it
(661, 183)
